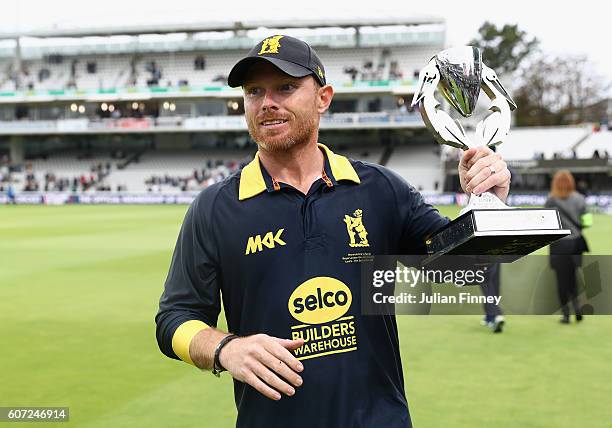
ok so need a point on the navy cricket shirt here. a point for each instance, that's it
(287, 265)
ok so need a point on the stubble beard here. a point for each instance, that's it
(305, 127)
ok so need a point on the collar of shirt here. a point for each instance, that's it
(254, 178)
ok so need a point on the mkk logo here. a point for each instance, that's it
(356, 229)
(256, 243)
(270, 45)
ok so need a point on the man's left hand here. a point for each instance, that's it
(481, 169)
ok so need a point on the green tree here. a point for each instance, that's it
(503, 49)
(557, 90)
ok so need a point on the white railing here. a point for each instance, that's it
(192, 124)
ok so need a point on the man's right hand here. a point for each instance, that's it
(265, 363)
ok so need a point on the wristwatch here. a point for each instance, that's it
(217, 367)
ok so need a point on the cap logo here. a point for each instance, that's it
(270, 45)
(320, 72)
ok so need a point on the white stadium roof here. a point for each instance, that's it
(215, 26)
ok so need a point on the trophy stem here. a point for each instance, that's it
(484, 201)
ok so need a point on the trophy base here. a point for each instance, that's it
(509, 233)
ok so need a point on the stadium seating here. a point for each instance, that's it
(159, 163)
(600, 141)
(420, 165)
(65, 167)
(370, 154)
(530, 143)
(179, 165)
(69, 163)
(115, 70)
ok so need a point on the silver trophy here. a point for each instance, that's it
(486, 226)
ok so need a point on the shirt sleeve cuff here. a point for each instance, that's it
(183, 336)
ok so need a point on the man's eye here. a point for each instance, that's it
(288, 87)
(253, 91)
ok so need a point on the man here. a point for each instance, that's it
(10, 193)
(272, 241)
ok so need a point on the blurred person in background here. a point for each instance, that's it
(566, 253)
(10, 193)
(494, 317)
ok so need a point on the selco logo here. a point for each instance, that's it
(320, 300)
(256, 243)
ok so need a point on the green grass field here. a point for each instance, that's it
(79, 287)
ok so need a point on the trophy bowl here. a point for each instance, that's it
(461, 74)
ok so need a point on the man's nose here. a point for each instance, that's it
(269, 102)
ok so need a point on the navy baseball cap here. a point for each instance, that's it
(290, 55)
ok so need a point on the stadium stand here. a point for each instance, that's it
(161, 103)
(179, 69)
(547, 143)
(420, 165)
(597, 145)
(153, 170)
(65, 172)
(171, 171)
(372, 154)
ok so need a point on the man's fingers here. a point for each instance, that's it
(260, 386)
(282, 353)
(480, 165)
(467, 155)
(265, 374)
(483, 174)
(267, 366)
(289, 343)
(497, 179)
(282, 362)
(479, 152)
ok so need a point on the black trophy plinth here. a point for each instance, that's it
(507, 233)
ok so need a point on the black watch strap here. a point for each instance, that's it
(217, 367)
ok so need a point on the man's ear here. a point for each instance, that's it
(324, 98)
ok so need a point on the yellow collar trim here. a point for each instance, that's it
(341, 167)
(252, 182)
